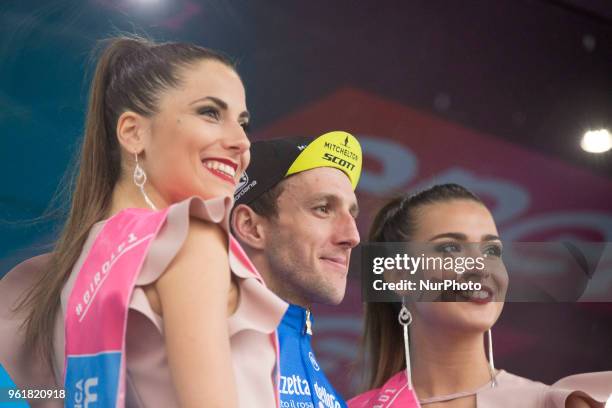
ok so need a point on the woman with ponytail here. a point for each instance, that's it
(146, 299)
(439, 361)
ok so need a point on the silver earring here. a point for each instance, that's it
(491, 363)
(140, 179)
(405, 318)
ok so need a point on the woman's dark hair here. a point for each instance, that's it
(130, 75)
(396, 221)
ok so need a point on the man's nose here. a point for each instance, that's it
(347, 233)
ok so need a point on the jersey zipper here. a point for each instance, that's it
(308, 327)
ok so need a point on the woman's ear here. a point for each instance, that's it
(133, 131)
(248, 227)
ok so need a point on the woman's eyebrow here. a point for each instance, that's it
(222, 105)
(491, 237)
(455, 235)
(462, 237)
(220, 102)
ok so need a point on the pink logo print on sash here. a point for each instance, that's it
(96, 314)
(395, 393)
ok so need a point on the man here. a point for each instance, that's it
(295, 217)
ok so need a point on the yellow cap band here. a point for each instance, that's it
(334, 149)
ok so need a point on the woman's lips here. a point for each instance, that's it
(221, 160)
(225, 169)
(222, 176)
(481, 297)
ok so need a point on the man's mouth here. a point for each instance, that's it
(338, 261)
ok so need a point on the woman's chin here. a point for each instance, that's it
(215, 192)
(460, 316)
(478, 318)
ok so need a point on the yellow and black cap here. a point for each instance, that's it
(273, 160)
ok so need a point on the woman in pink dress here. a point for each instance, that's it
(139, 304)
(448, 366)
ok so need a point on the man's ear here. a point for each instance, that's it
(133, 131)
(248, 226)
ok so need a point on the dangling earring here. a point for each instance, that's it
(405, 318)
(140, 179)
(491, 363)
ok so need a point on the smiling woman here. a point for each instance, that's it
(441, 362)
(143, 257)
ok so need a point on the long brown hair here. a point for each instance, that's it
(396, 222)
(130, 74)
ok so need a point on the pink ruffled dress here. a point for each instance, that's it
(148, 382)
(511, 391)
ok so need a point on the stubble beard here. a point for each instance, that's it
(298, 282)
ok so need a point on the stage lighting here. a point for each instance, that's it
(147, 3)
(596, 141)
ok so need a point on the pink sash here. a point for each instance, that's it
(97, 309)
(394, 394)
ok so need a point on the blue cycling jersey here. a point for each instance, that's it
(302, 381)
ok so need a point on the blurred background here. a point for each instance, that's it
(511, 98)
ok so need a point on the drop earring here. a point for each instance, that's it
(491, 363)
(140, 179)
(405, 318)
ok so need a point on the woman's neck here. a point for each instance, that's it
(446, 362)
(127, 195)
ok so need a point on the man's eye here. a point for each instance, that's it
(210, 112)
(448, 248)
(322, 209)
